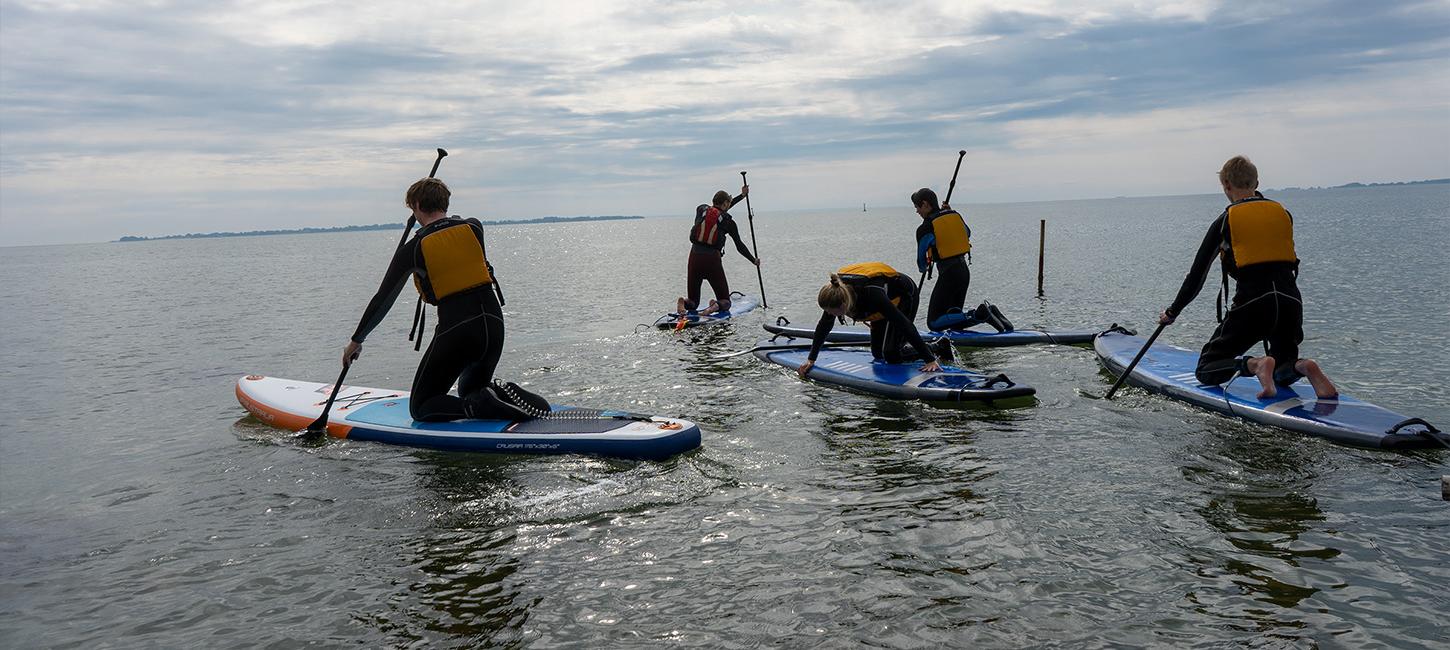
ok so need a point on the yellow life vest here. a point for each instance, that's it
(953, 238)
(452, 262)
(1260, 230)
(863, 273)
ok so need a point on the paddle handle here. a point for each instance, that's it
(750, 218)
(1129, 370)
(431, 173)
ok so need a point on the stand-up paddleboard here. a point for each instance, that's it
(381, 415)
(1170, 370)
(855, 368)
(739, 304)
(965, 338)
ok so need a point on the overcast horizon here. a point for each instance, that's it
(240, 116)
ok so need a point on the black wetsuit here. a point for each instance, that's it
(893, 337)
(467, 339)
(953, 277)
(1266, 307)
(705, 263)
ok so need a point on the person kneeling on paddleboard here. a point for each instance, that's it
(447, 261)
(707, 248)
(886, 300)
(1254, 239)
(944, 239)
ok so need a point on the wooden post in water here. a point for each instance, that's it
(1041, 249)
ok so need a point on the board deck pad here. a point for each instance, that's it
(739, 304)
(965, 338)
(381, 415)
(1169, 370)
(855, 368)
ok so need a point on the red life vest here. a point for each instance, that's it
(707, 231)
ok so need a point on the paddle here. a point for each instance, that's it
(791, 346)
(1124, 377)
(750, 217)
(950, 188)
(319, 426)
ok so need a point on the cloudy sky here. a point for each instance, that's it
(158, 117)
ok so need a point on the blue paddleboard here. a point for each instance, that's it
(1170, 370)
(739, 304)
(965, 338)
(855, 368)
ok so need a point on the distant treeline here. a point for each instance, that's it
(376, 226)
(1434, 181)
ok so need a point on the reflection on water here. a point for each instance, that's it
(140, 511)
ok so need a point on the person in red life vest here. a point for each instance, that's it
(713, 224)
(1254, 239)
(944, 239)
(449, 267)
(886, 300)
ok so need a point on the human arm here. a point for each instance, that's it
(823, 327)
(393, 281)
(875, 300)
(734, 232)
(1198, 272)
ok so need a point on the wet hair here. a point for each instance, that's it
(925, 194)
(429, 195)
(722, 198)
(1240, 174)
(836, 295)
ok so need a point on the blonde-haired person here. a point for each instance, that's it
(886, 300)
(1254, 237)
(713, 224)
(449, 267)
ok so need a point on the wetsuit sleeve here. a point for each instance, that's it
(393, 281)
(734, 231)
(736, 200)
(823, 327)
(1197, 273)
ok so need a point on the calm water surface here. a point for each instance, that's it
(141, 507)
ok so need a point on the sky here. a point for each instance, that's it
(154, 117)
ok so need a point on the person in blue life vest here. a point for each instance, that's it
(944, 239)
(1254, 241)
(713, 224)
(886, 300)
(449, 267)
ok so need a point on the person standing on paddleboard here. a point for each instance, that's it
(884, 299)
(944, 239)
(1254, 240)
(447, 261)
(707, 249)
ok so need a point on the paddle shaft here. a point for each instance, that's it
(319, 426)
(1129, 370)
(431, 173)
(750, 218)
(950, 188)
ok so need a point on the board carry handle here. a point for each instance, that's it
(1412, 422)
(782, 321)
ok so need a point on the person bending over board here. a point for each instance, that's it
(707, 248)
(943, 238)
(450, 269)
(886, 300)
(1254, 239)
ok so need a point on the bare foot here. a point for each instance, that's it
(680, 306)
(1263, 369)
(1323, 388)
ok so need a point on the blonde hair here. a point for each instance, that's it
(836, 295)
(1239, 173)
(429, 195)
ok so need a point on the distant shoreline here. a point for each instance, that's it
(1350, 186)
(376, 226)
